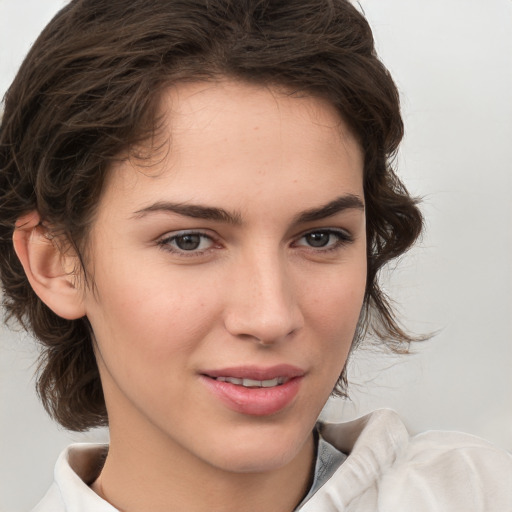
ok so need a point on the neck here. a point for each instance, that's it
(142, 476)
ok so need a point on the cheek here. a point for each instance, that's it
(336, 303)
(150, 319)
(332, 313)
(148, 341)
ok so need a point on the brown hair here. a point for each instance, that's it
(89, 89)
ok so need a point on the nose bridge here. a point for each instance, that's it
(263, 305)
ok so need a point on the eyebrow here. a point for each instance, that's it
(346, 202)
(196, 211)
(192, 210)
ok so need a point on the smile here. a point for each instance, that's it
(255, 391)
(251, 383)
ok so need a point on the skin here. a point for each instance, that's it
(257, 290)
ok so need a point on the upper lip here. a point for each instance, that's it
(286, 371)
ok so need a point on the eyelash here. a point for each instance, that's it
(165, 243)
(342, 238)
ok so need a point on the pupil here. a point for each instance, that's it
(188, 242)
(318, 239)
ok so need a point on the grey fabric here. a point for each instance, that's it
(328, 460)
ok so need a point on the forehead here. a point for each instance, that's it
(226, 140)
(227, 111)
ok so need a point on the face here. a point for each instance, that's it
(230, 273)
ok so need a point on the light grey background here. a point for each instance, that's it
(452, 60)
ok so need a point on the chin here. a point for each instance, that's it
(260, 449)
(254, 461)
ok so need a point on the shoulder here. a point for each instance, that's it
(76, 468)
(390, 471)
(450, 469)
(52, 501)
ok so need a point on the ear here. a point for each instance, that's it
(51, 273)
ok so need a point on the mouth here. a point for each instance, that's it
(255, 391)
(256, 377)
(252, 383)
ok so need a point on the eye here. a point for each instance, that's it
(325, 239)
(186, 242)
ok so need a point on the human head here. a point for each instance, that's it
(89, 90)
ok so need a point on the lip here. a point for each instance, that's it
(255, 401)
(256, 372)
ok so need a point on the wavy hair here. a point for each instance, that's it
(89, 89)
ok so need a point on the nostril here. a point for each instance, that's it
(263, 332)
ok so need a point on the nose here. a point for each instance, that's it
(263, 304)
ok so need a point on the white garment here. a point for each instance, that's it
(386, 471)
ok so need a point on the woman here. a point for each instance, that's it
(199, 197)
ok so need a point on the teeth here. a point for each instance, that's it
(238, 382)
(270, 383)
(251, 383)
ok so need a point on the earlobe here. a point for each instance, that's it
(47, 268)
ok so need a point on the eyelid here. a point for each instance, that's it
(344, 237)
(164, 242)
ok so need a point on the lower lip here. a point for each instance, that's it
(254, 401)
